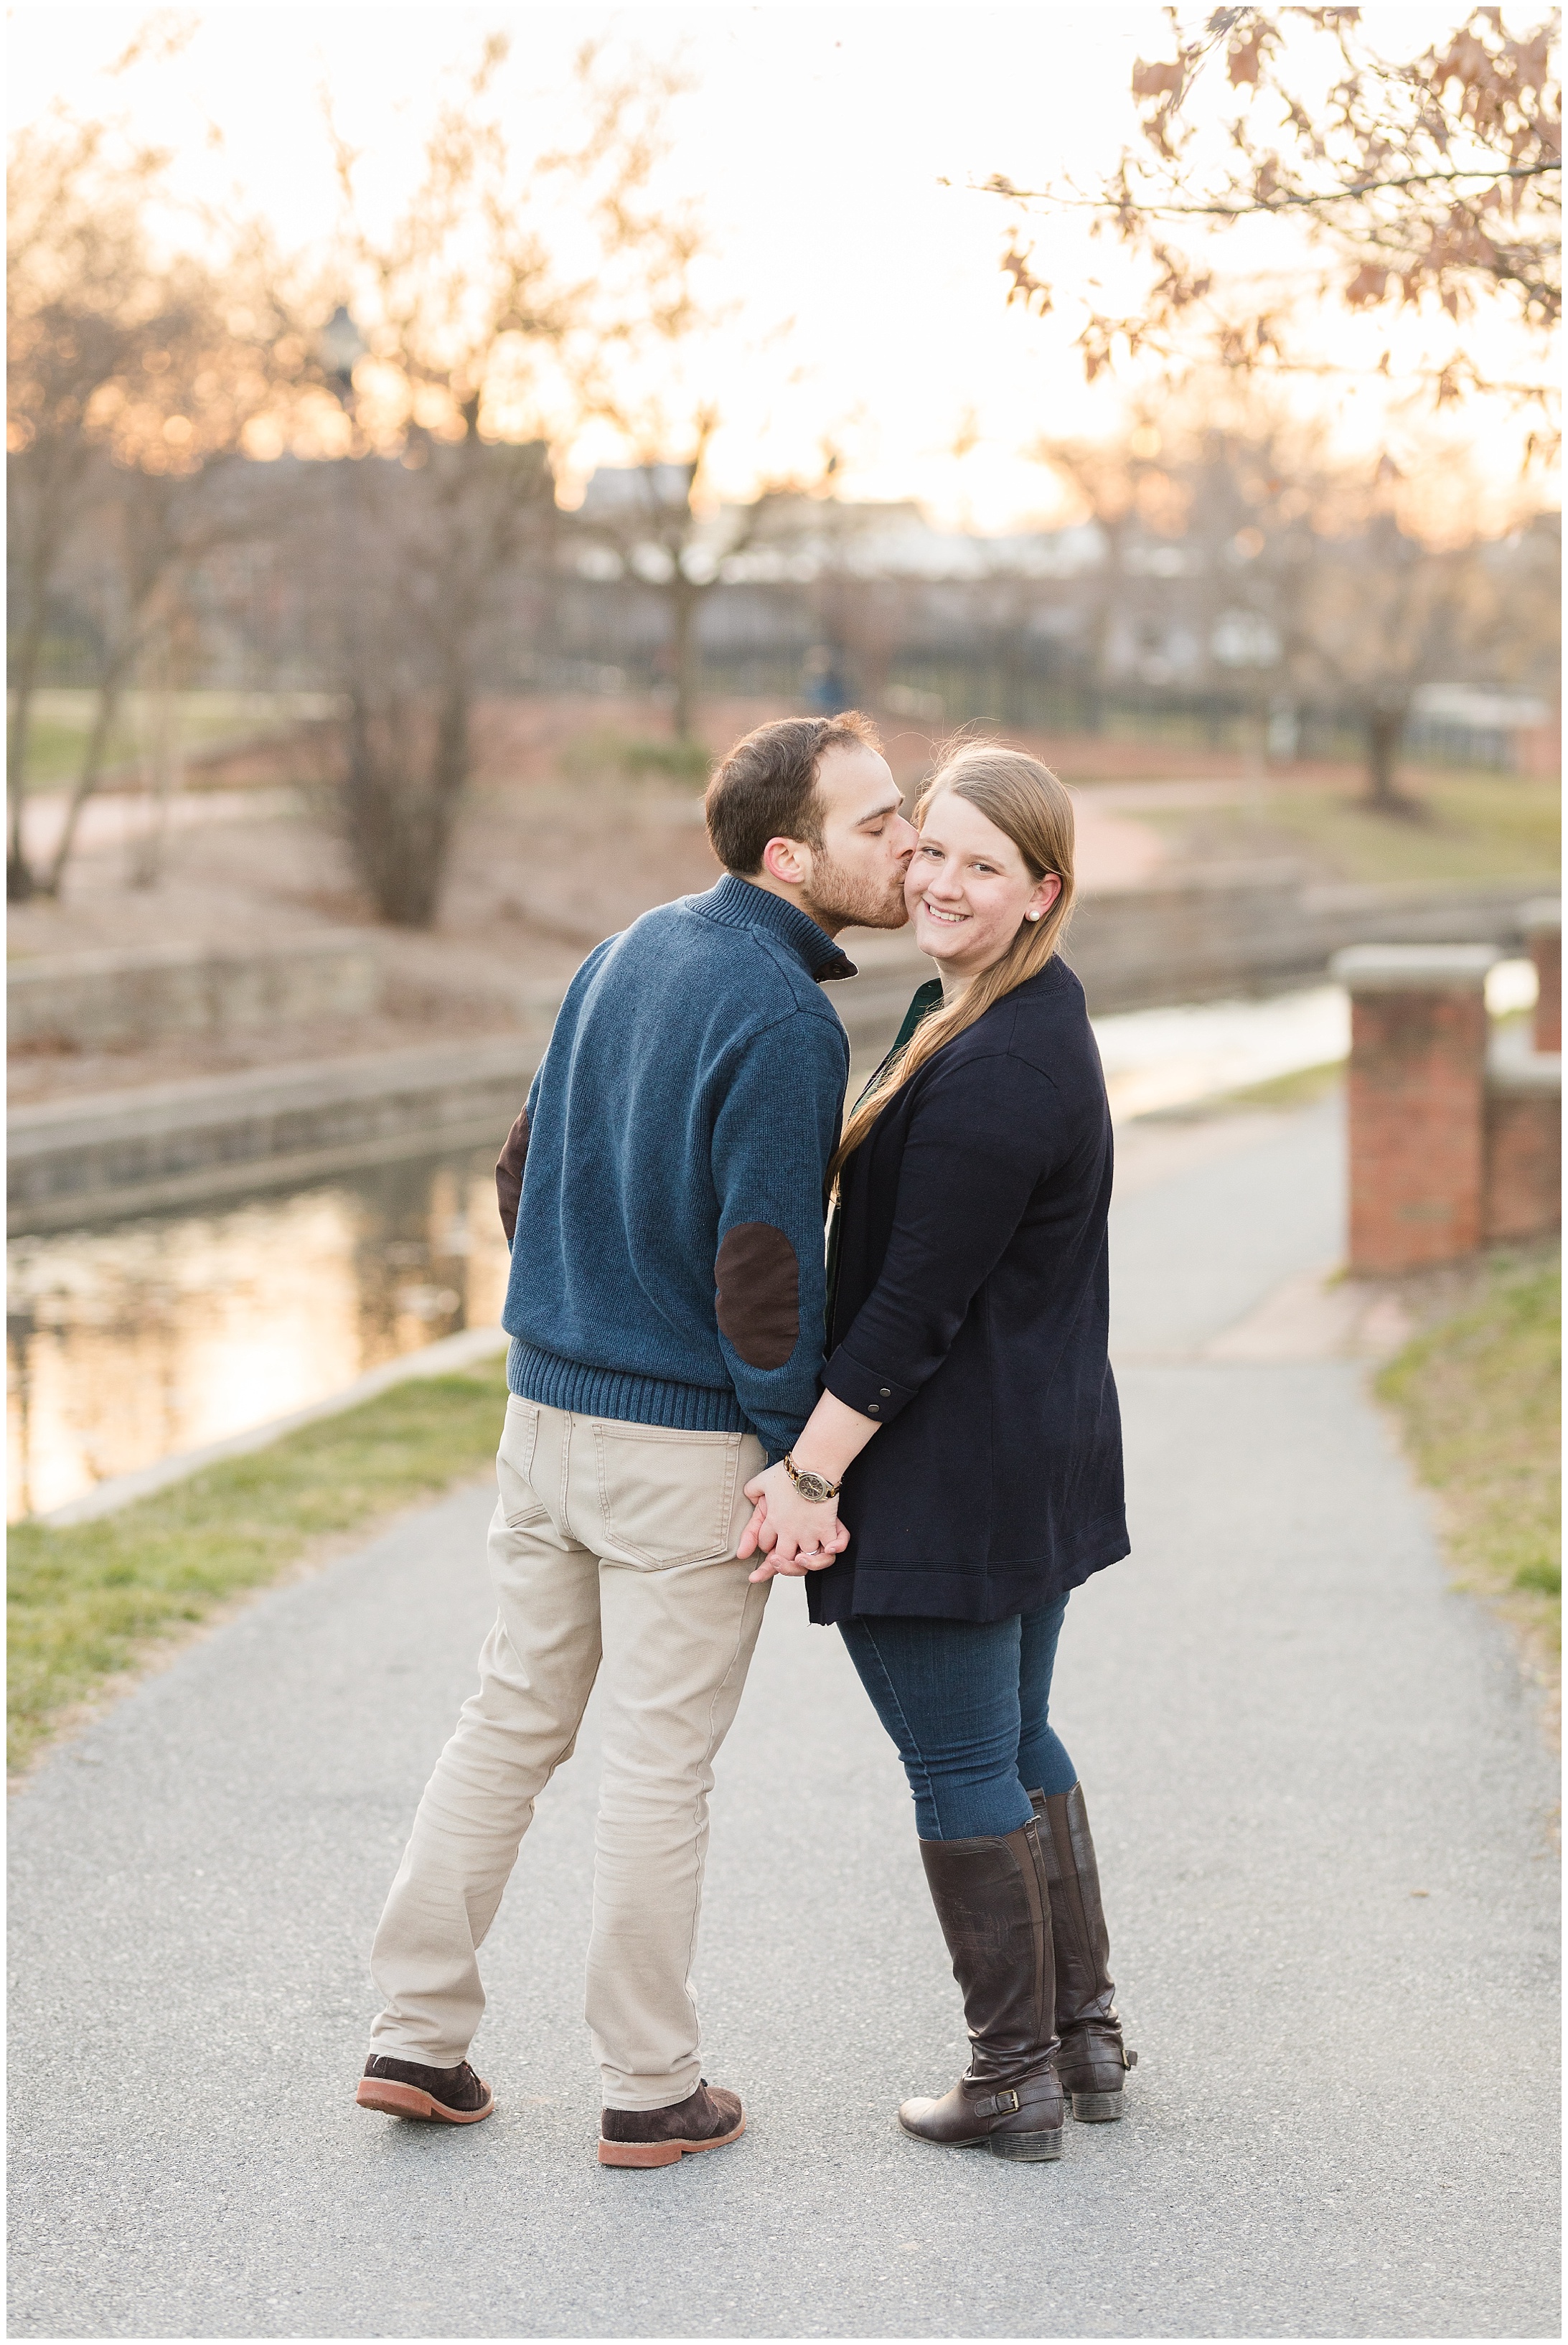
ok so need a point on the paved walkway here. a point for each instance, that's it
(1322, 1811)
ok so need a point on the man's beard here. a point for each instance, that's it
(855, 902)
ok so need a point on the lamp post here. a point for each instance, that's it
(339, 346)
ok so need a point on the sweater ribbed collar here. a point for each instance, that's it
(734, 903)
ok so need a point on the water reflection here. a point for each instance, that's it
(132, 1342)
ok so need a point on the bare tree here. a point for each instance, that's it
(1429, 182)
(860, 611)
(169, 669)
(420, 549)
(83, 308)
(149, 532)
(663, 530)
(129, 379)
(1359, 598)
(482, 340)
(644, 517)
(1355, 597)
(1123, 485)
(1305, 577)
(1525, 569)
(1376, 614)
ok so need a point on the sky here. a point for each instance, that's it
(864, 297)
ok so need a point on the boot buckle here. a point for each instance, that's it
(1007, 2104)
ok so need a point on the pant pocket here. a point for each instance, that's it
(666, 1498)
(514, 1462)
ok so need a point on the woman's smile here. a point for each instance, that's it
(993, 888)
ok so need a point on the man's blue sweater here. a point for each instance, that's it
(667, 1260)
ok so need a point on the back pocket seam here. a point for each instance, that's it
(605, 1436)
(536, 1508)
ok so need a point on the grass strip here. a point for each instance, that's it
(1459, 826)
(1478, 1395)
(87, 1601)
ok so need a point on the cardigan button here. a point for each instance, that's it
(873, 1410)
(887, 1392)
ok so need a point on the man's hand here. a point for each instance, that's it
(792, 1537)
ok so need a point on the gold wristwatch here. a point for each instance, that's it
(815, 1488)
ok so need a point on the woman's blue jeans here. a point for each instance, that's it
(968, 1704)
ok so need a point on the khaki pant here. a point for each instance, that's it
(613, 1552)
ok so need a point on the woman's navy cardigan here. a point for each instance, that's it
(970, 1317)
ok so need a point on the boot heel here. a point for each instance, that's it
(1097, 2109)
(1025, 2148)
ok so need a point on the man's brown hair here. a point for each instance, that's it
(766, 787)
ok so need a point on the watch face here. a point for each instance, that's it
(814, 1489)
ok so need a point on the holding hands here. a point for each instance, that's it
(795, 1525)
(789, 1533)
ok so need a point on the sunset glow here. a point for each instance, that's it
(834, 153)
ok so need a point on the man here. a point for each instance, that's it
(663, 1193)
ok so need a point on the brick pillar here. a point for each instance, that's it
(1543, 924)
(1417, 1101)
(1525, 1146)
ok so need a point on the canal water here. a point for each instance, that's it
(136, 1340)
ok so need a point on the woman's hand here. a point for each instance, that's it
(794, 1538)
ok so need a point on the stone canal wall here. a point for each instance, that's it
(104, 1001)
(1203, 936)
(176, 1144)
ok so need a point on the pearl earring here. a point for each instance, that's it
(1032, 916)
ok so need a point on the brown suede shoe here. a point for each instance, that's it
(706, 2119)
(402, 2089)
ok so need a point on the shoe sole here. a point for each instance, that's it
(407, 2101)
(1026, 2148)
(1097, 2109)
(1020, 2148)
(660, 2153)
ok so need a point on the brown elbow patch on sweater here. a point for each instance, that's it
(509, 1175)
(759, 1293)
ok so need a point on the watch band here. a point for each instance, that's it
(815, 1488)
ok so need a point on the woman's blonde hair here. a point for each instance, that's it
(1027, 803)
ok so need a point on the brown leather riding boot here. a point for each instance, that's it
(1093, 2061)
(993, 1900)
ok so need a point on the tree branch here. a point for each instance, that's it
(1001, 186)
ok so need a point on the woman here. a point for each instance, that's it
(970, 1416)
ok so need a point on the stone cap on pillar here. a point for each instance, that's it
(1542, 917)
(1512, 1064)
(1540, 1072)
(1414, 968)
